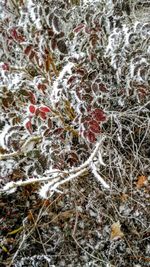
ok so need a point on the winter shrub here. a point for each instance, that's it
(71, 74)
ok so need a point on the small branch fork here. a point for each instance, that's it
(57, 178)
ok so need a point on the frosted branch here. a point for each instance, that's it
(57, 178)
(97, 176)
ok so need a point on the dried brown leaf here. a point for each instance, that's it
(141, 181)
(116, 231)
(124, 197)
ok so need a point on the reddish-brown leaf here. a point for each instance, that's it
(28, 49)
(94, 126)
(58, 131)
(28, 126)
(42, 115)
(44, 109)
(47, 132)
(32, 54)
(87, 30)
(95, 88)
(79, 27)
(32, 109)
(90, 136)
(14, 33)
(71, 79)
(99, 115)
(80, 72)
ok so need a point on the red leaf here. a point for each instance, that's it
(99, 115)
(92, 56)
(90, 136)
(28, 126)
(42, 115)
(32, 109)
(44, 109)
(94, 126)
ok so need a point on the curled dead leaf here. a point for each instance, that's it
(141, 181)
(116, 231)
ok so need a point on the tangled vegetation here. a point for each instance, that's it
(74, 132)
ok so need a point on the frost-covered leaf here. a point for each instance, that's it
(56, 23)
(94, 126)
(28, 49)
(28, 126)
(32, 109)
(44, 109)
(62, 47)
(90, 136)
(99, 115)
